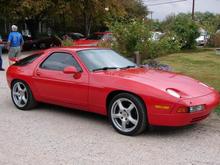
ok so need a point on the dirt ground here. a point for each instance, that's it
(51, 135)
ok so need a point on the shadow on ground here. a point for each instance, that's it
(103, 120)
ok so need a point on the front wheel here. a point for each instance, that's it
(127, 114)
(22, 96)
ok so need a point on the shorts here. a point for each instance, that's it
(14, 52)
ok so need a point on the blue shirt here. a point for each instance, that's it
(15, 39)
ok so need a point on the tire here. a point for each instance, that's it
(127, 114)
(22, 96)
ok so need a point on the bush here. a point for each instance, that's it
(129, 36)
(105, 44)
(166, 45)
(215, 40)
(67, 42)
(133, 36)
(186, 31)
(170, 44)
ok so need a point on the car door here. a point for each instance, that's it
(55, 86)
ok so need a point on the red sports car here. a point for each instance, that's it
(102, 81)
(94, 39)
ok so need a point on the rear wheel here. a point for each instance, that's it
(127, 114)
(22, 96)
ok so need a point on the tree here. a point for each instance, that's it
(208, 21)
(64, 15)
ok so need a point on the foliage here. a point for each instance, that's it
(183, 27)
(208, 21)
(130, 36)
(186, 31)
(67, 42)
(217, 110)
(135, 36)
(166, 45)
(105, 44)
(70, 15)
(215, 40)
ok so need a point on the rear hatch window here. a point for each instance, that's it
(28, 60)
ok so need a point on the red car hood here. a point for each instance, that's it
(86, 42)
(162, 80)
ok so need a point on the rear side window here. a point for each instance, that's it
(28, 60)
(58, 61)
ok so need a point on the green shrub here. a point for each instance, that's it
(105, 44)
(186, 31)
(215, 40)
(170, 44)
(129, 36)
(67, 42)
(166, 45)
(135, 36)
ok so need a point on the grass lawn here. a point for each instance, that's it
(204, 66)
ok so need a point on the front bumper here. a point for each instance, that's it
(211, 101)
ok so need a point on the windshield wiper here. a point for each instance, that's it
(129, 66)
(104, 68)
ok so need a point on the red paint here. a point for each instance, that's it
(89, 90)
(92, 42)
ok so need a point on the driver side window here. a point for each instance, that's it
(58, 61)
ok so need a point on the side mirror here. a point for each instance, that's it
(70, 70)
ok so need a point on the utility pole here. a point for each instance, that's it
(151, 14)
(193, 10)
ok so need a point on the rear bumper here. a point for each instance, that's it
(211, 101)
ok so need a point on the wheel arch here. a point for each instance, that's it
(17, 79)
(112, 94)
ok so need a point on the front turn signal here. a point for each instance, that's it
(182, 110)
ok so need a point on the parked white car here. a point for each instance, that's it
(156, 36)
(202, 40)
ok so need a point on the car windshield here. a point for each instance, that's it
(75, 35)
(103, 59)
(95, 36)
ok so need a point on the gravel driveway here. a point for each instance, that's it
(50, 135)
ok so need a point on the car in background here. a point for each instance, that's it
(94, 39)
(156, 36)
(202, 40)
(28, 43)
(46, 42)
(73, 36)
(102, 81)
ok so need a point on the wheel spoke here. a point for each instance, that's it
(19, 87)
(121, 107)
(19, 99)
(23, 90)
(132, 120)
(123, 124)
(24, 99)
(130, 108)
(117, 115)
(16, 94)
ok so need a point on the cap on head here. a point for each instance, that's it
(14, 28)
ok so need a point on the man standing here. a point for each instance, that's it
(1, 45)
(15, 43)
